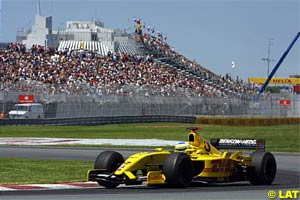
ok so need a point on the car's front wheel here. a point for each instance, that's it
(178, 169)
(110, 161)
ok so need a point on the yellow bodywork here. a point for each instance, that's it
(155, 178)
(138, 161)
(216, 162)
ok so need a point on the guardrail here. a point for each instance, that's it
(98, 120)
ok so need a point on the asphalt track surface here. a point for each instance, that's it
(287, 178)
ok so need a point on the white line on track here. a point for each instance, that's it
(74, 141)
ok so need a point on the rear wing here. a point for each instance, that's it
(258, 144)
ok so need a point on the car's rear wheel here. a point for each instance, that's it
(178, 169)
(110, 161)
(264, 170)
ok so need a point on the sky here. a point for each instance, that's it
(212, 32)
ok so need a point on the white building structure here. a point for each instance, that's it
(84, 35)
(91, 35)
(41, 32)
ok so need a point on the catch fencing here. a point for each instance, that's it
(64, 105)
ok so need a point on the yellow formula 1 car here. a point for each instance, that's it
(196, 160)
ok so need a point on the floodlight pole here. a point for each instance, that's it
(268, 58)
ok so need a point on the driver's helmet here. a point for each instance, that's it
(181, 146)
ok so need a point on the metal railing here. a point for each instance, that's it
(65, 105)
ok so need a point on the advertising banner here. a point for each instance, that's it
(26, 98)
(285, 102)
(293, 81)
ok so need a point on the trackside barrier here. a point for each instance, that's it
(231, 121)
(247, 121)
(99, 120)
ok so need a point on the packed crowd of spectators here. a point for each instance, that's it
(80, 71)
(226, 82)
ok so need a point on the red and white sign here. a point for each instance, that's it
(26, 98)
(297, 89)
(285, 102)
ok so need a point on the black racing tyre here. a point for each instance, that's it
(264, 170)
(178, 169)
(111, 161)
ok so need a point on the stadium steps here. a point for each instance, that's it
(125, 47)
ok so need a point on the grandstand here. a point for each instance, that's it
(173, 71)
(113, 73)
(97, 63)
(127, 60)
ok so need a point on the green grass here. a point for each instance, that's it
(122, 131)
(283, 138)
(42, 171)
